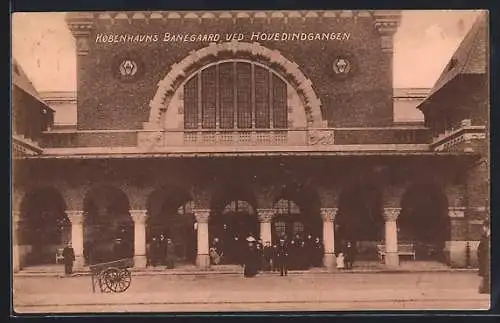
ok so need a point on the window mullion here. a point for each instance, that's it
(271, 106)
(235, 92)
(200, 112)
(253, 95)
(217, 100)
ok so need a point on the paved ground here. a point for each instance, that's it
(342, 291)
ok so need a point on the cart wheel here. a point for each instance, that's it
(118, 280)
(103, 286)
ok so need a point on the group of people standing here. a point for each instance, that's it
(160, 251)
(256, 256)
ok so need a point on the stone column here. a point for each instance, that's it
(328, 216)
(265, 217)
(76, 218)
(202, 257)
(139, 217)
(16, 261)
(391, 237)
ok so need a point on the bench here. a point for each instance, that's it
(404, 249)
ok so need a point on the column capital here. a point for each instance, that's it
(265, 215)
(391, 214)
(201, 215)
(139, 216)
(75, 216)
(328, 213)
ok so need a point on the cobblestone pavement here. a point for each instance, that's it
(266, 292)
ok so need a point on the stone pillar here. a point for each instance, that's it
(139, 217)
(328, 216)
(391, 237)
(265, 217)
(16, 261)
(76, 218)
(202, 257)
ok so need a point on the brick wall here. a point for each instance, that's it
(362, 99)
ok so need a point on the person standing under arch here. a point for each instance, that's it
(69, 258)
(483, 257)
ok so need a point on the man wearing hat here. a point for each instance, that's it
(282, 257)
(69, 258)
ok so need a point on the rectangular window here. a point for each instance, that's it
(226, 92)
(280, 111)
(191, 104)
(244, 95)
(208, 94)
(261, 97)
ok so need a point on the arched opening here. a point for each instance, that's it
(235, 94)
(44, 226)
(298, 222)
(108, 229)
(233, 220)
(360, 220)
(259, 56)
(424, 221)
(170, 216)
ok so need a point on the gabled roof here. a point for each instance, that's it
(471, 56)
(21, 80)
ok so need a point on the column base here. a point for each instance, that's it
(78, 263)
(203, 261)
(329, 261)
(140, 261)
(391, 259)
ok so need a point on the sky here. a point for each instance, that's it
(423, 44)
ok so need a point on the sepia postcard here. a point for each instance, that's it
(241, 161)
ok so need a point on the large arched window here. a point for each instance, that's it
(235, 95)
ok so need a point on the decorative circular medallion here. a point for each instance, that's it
(342, 66)
(127, 67)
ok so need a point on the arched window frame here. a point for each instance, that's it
(204, 109)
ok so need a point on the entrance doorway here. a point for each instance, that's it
(229, 228)
(424, 221)
(43, 228)
(171, 217)
(108, 229)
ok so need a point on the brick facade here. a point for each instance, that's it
(362, 99)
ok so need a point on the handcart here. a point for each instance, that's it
(111, 277)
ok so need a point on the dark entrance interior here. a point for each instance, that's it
(108, 229)
(229, 227)
(44, 226)
(360, 220)
(170, 214)
(424, 221)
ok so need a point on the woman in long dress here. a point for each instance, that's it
(251, 260)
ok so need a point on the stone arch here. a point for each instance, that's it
(360, 216)
(297, 211)
(43, 225)
(274, 59)
(108, 228)
(424, 219)
(233, 218)
(170, 216)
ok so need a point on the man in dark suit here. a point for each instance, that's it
(69, 258)
(483, 257)
(282, 257)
